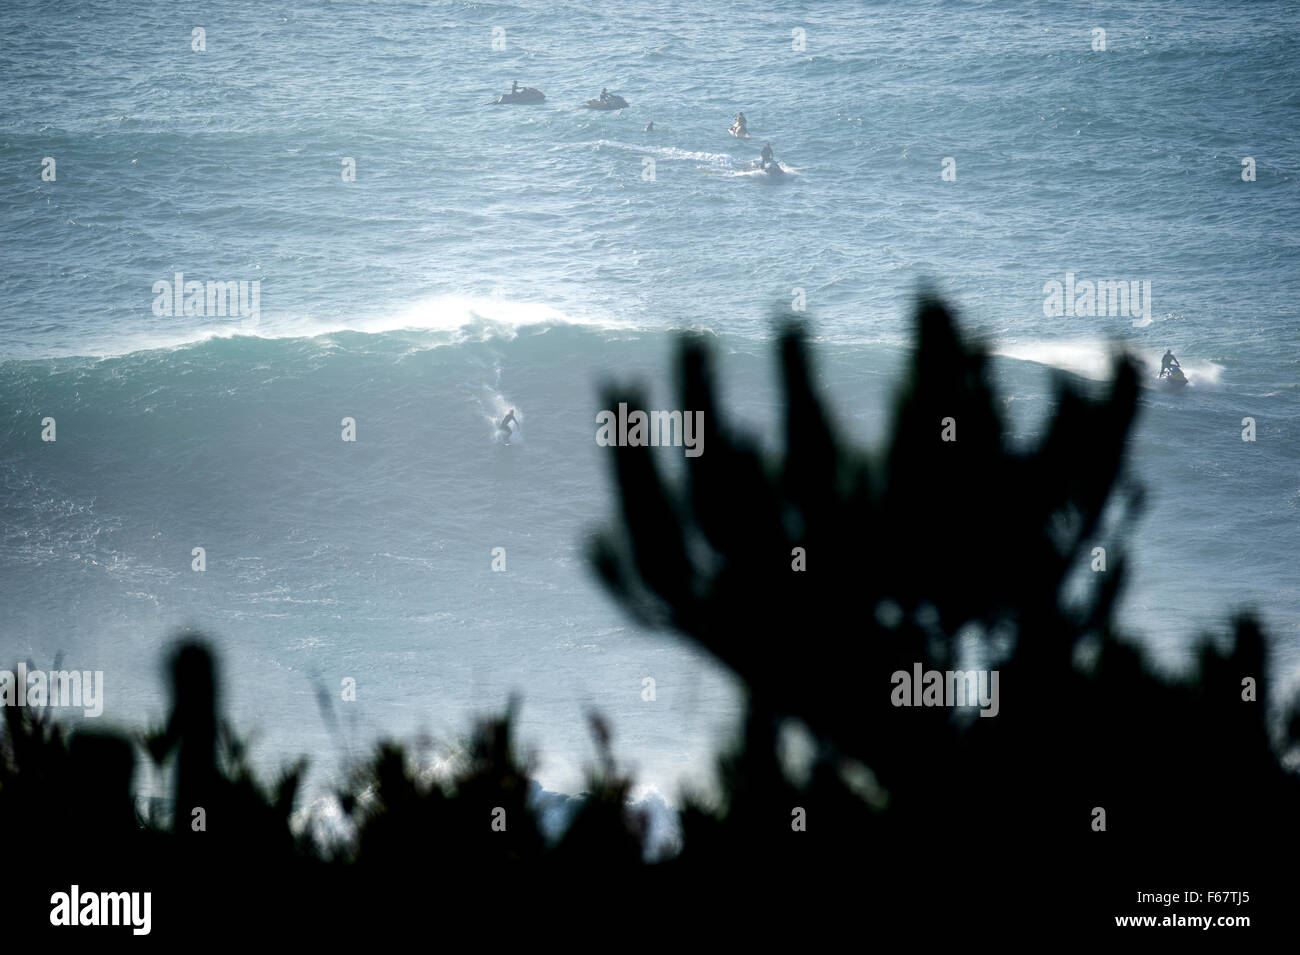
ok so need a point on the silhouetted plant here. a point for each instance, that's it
(940, 540)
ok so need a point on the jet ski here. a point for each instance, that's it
(524, 96)
(1172, 378)
(610, 102)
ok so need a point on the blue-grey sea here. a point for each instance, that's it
(483, 258)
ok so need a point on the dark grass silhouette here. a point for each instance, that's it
(911, 812)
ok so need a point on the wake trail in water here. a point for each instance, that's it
(1094, 359)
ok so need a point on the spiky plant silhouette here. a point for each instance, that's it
(952, 539)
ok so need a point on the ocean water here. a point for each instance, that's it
(496, 257)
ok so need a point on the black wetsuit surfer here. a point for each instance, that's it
(504, 426)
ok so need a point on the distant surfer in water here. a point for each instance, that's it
(650, 126)
(504, 426)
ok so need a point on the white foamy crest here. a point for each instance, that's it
(495, 315)
(460, 317)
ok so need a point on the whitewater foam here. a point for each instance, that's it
(451, 320)
(1089, 358)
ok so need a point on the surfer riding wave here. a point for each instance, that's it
(504, 426)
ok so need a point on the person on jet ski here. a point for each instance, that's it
(514, 87)
(767, 162)
(1168, 362)
(604, 95)
(739, 124)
